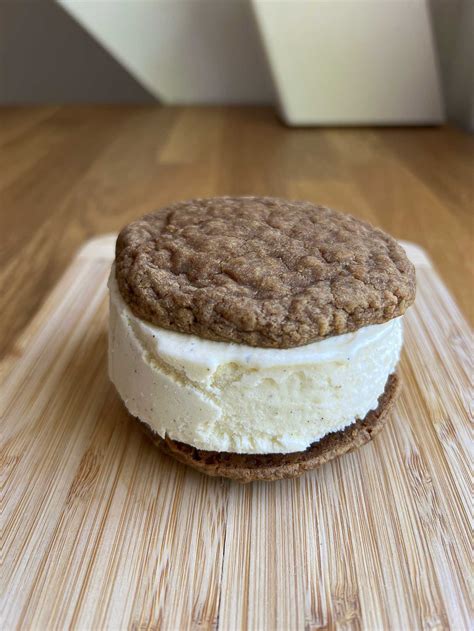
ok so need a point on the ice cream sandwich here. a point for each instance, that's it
(256, 338)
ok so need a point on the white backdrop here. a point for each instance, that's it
(183, 51)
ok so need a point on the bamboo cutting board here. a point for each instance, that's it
(101, 531)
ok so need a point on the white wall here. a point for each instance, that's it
(47, 56)
(370, 62)
(183, 51)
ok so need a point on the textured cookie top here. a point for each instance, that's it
(261, 271)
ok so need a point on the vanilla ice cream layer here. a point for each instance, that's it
(223, 396)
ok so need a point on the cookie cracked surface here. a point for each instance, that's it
(261, 271)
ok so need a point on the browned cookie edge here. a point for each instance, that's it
(265, 272)
(251, 467)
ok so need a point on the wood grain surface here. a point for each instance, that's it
(101, 531)
(69, 173)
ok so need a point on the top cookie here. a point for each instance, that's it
(261, 271)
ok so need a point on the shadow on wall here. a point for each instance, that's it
(203, 51)
(218, 49)
(453, 28)
(47, 57)
(186, 52)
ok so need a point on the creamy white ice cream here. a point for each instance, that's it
(231, 397)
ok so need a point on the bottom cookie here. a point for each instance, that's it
(250, 467)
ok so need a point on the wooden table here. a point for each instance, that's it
(103, 532)
(69, 173)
